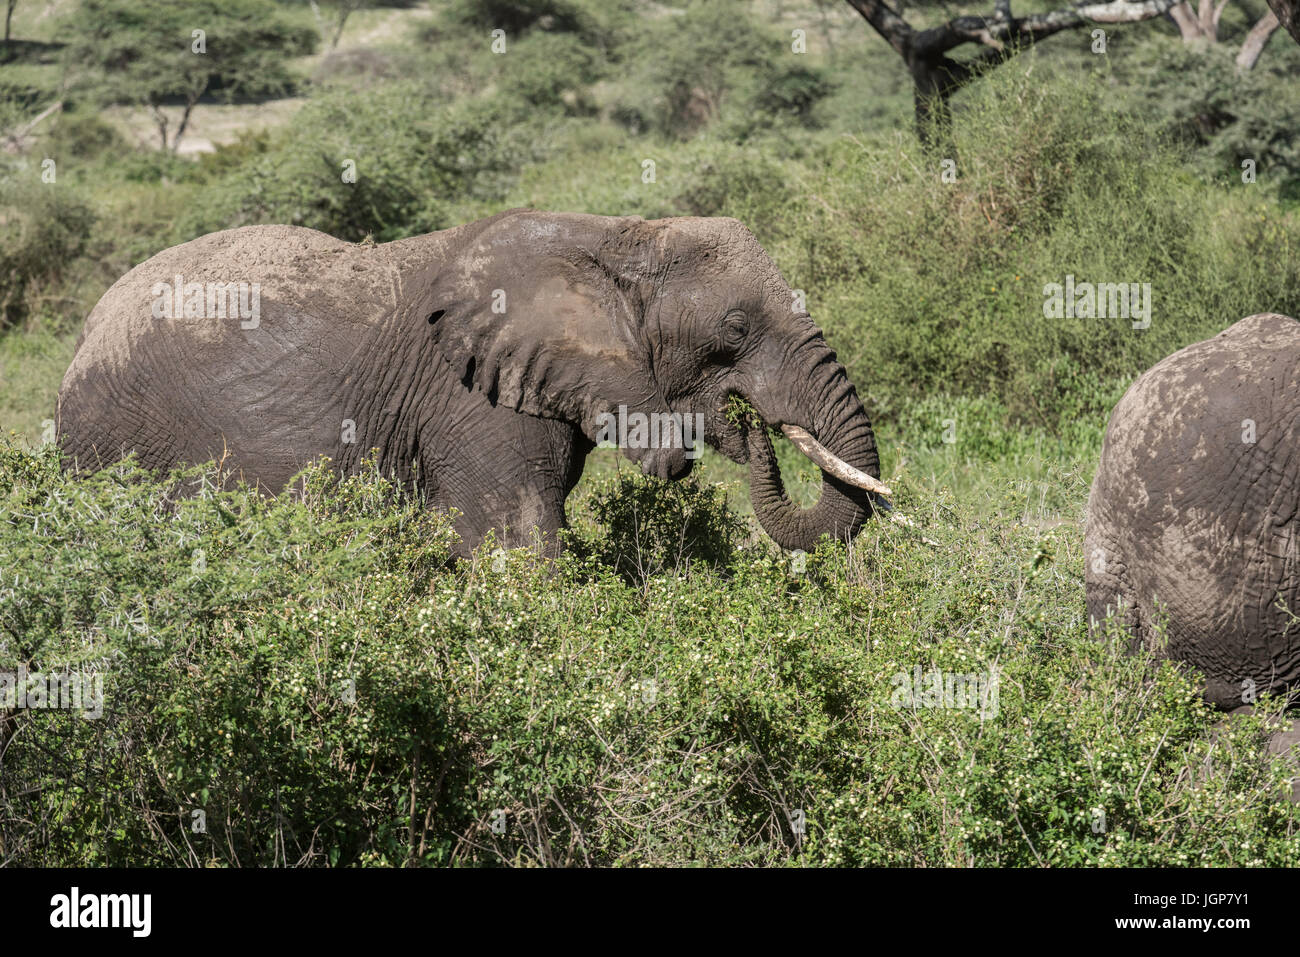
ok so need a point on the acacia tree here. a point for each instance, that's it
(160, 53)
(936, 76)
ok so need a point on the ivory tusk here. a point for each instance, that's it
(829, 464)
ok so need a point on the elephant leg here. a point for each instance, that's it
(1287, 743)
(1108, 591)
(505, 474)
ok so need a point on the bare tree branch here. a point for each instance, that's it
(886, 22)
(15, 139)
(1208, 18)
(1204, 26)
(990, 31)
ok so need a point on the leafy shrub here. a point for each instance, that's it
(650, 527)
(704, 57)
(227, 158)
(794, 91)
(591, 20)
(1199, 97)
(85, 136)
(550, 69)
(740, 181)
(408, 169)
(44, 230)
(305, 680)
(214, 630)
(516, 16)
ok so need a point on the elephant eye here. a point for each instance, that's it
(734, 329)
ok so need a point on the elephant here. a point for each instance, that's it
(478, 365)
(1191, 536)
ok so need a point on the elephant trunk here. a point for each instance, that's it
(841, 429)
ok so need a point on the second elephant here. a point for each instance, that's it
(1193, 527)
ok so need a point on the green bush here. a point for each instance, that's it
(794, 91)
(85, 136)
(648, 528)
(517, 16)
(408, 169)
(548, 70)
(1225, 116)
(306, 680)
(213, 631)
(713, 58)
(43, 229)
(316, 677)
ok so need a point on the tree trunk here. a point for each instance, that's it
(185, 121)
(1189, 27)
(160, 119)
(933, 87)
(1208, 18)
(191, 100)
(1255, 41)
(1288, 14)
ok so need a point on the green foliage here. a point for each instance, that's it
(928, 287)
(746, 182)
(309, 673)
(45, 228)
(20, 94)
(1200, 97)
(649, 528)
(408, 168)
(516, 16)
(329, 689)
(128, 51)
(213, 629)
(548, 70)
(84, 136)
(794, 91)
(711, 56)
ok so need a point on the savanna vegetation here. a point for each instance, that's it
(311, 679)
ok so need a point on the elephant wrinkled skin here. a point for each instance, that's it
(1192, 517)
(477, 362)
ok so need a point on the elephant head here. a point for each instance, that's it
(580, 317)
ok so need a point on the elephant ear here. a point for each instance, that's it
(529, 312)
